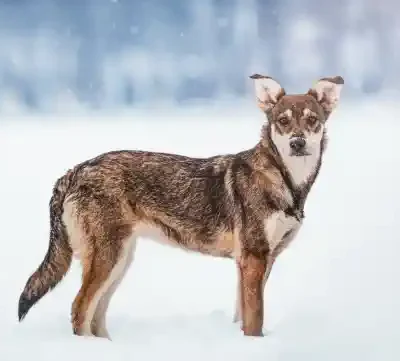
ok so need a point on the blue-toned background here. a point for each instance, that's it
(118, 53)
(82, 77)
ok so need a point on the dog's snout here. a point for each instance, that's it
(297, 143)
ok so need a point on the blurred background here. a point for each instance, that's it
(83, 77)
(56, 55)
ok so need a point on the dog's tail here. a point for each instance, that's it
(59, 254)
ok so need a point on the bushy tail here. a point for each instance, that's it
(59, 255)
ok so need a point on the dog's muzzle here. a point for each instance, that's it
(297, 145)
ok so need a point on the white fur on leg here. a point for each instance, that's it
(238, 306)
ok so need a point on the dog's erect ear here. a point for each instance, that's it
(268, 91)
(327, 92)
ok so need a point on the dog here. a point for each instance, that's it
(247, 206)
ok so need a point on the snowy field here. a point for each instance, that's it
(333, 295)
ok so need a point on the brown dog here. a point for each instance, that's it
(246, 206)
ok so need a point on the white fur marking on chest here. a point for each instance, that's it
(277, 225)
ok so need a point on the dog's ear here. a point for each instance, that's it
(327, 92)
(268, 91)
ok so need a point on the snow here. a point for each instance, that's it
(333, 295)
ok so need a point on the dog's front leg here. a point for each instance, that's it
(252, 269)
(238, 306)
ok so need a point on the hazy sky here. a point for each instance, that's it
(115, 52)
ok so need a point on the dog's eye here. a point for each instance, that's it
(312, 120)
(283, 121)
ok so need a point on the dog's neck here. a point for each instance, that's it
(301, 169)
(298, 173)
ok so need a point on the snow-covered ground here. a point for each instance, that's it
(333, 295)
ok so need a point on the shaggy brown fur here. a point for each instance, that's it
(246, 206)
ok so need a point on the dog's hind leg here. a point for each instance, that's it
(98, 325)
(103, 264)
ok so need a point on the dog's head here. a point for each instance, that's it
(296, 123)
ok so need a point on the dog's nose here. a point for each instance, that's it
(297, 143)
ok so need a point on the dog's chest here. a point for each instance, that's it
(280, 229)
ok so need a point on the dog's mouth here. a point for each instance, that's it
(300, 153)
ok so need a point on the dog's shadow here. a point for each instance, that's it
(217, 326)
(209, 330)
